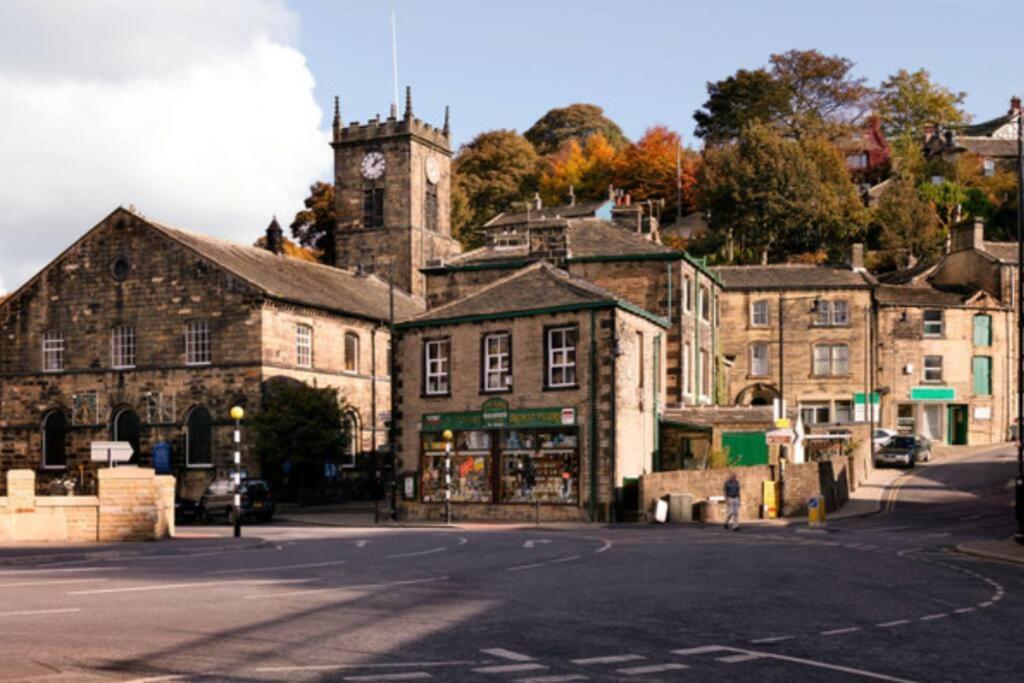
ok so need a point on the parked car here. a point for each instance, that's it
(187, 511)
(904, 450)
(882, 436)
(219, 500)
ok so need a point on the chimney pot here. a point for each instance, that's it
(857, 256)
(1014, 104)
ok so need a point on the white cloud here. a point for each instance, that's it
(200, 114)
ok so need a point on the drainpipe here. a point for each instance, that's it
(656, 386)
(592, 427)
(611, 410)
(373, 394)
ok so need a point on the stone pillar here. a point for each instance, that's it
(21, 491)
(165, 487)
(128, 504)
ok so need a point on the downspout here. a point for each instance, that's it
(592, 427)
(611, 411)
(373, 394)
(715, 305)
(668, 313)
(656, 386)
(697, 317)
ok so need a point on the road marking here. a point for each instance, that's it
(612, 659)
(652, 669)
(278, 568)
(832, 667)
(984, 604)
(75, 570)
(158, 679)
(606, 546)
(507, 654)
(30, 613)
(704, 649)
(463, 540)
(508, 668)
(335, 667)
(343, 589)
(361, 544)
(965, 610)
(932, 617)
(838, 631)
(891, 528)
(736, 659)
(417, 554)
(773, 639)
(543, 564)
(52, 582)
(175, 586)
(552, 679)
(530, 544)
(890, 624)
(407, 676)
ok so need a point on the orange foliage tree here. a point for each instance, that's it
(587, 169)
(646, 169)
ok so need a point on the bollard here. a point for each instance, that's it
(816, 512)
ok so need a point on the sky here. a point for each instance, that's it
(213, 115)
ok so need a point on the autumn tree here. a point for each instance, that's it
(777, 194)
(313, 227)
(739, 100)
(646, 169)
(575, 122)
(289, 248)
(588, 169)
(909, 228)
(908, 101)
(491, 172)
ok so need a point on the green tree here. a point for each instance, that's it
(313, 227)
(739, 100)
(300, 425)
(575, 122)
(492, 172)
(908, 101)
(909, 228)
(777, 194)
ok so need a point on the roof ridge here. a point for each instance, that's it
(486, 288)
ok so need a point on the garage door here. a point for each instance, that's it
(746, 448)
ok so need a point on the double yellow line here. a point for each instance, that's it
(893, 492)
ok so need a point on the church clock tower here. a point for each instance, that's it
(392, 192)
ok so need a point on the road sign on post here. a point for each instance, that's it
(111, 452)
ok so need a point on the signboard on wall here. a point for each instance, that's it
(860, 413)
(489, 418)
(982, 412)
(932, 394)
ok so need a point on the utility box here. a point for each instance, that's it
(680, 507)
(816, 512)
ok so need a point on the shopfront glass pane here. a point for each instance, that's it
(539, 466)
(470, 468)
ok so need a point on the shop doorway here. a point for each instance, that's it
(932, 426)
(957, 425)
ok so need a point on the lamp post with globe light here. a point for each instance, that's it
(237, 413)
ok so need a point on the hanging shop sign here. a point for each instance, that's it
(493, 415)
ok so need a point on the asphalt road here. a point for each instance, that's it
(880, 598)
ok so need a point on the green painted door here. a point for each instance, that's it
(956, 425)
(746, 448)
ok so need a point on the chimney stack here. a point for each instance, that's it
(275, 237)
(572, 196)
(968, 235)
(537, 203)
(1014, 104)
(857, 256)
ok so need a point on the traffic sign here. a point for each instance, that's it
(111, 452)
(780, 437)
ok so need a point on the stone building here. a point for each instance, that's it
(994, 141)
(146, 333)
(552, 387)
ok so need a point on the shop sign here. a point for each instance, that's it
(860, 413)
(780, 437)
(982, 413)
(932, 394)
(491, 418)
(494, 413)
(568, 416)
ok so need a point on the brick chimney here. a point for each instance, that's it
(275, 238)
(1014, 104)
(967, 235)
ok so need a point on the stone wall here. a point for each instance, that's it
(133, 504)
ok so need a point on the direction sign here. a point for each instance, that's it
(111, 452)
(780, 437)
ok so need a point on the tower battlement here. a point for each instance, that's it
(359, 133)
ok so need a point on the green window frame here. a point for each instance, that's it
(982, 374)
(982, 330)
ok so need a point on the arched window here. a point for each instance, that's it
(55, 427)
(351, 352)
(199, 438)
(350, 436)
(127, 427)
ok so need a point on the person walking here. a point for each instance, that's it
(732, 502)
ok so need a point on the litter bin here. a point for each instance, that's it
(680, 507)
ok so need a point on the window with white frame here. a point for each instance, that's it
(497, 366)
(685, 368)
(122, 347)
(304, 346)
(933, 368)
(561, 356)
(814, 413)
(351, 352)
(934, 325)
(197, 342)
(436, 367)
(759, 313)
(759, 360)
(857, 161)
(705, 374)
(831, 360)
(840, 312)
(833, 313)
(53, 351)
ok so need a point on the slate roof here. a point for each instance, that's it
(537, 287)
(578, 210)
(688, 227)
(1006, 252)
(295, 281)
(987, 128)
(711, 416)
(792, 276)
(907, 275)
(987, 147)
(905, 295)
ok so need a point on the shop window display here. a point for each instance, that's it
(471, 468)
(539, 466)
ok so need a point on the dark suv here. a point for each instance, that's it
(219, 500)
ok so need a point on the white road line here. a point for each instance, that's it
(52, 582)
(553, 679)
(75, 570)
(508, 668)
(463, 540)
(408, 676)
(704, 649)
(343, 589)
(985, 604)
(606, 546)
(837, 631)
(891, 528)
(175, 586)
(941, 534)
(965, 610)
(278, 568)
(825, 665)
(890, 624)
(508, 654)
(932, 617)
(361, 544)
(335, 667)
(652, 669)
(40, 612)
(736, 659)
(422, 552)
(543, 564)
(772, 639)
(612, 659)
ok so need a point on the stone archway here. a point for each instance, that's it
(757, 395)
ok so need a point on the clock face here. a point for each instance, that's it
(433, 170)
(373, 165)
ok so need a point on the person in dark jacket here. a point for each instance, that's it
(732, 502)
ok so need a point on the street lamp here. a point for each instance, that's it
(1019, 488)
(237, 413)
(447, 437)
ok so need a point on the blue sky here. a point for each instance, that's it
(503, 64)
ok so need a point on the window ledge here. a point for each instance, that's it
(562, 387)
(496, 391)
(200, 466)
(445, 395)
(53, 468)
(198, 365)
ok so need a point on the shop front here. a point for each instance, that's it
(934, 413)
(502, 457)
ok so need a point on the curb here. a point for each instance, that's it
(987, 554)
(86, 555)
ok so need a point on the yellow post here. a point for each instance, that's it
(816, 512)
(770, 491)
